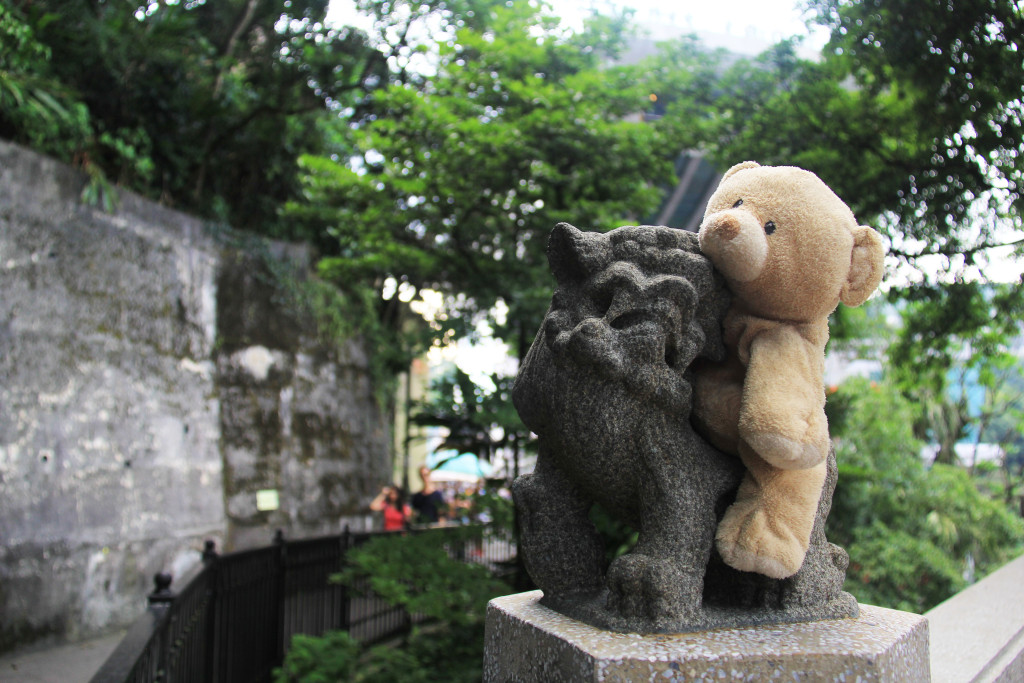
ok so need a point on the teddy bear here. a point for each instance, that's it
(790, 251)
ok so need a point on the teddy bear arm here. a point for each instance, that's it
(782, 415)
(717, 396)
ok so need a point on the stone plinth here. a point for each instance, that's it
(529, 642)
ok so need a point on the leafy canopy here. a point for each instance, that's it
(915, 116)
(912, 532)
(454, 183)
(416, 573)
(204, 106)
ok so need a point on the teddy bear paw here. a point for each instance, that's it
(748, 543)
(784, 452)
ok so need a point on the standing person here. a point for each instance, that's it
(428, 503)
(391, 501)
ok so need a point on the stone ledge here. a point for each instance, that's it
(528, 642)
(978, 634)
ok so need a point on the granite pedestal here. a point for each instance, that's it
(529, 642)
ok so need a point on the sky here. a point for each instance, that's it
(747, 26)
(736, 24)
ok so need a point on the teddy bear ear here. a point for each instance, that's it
(742, 166)
(867, 263)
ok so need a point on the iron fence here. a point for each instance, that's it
(236, 614)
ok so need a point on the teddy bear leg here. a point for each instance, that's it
(768, 528)
(717, 396)
(560, 547)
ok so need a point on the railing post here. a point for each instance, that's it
(143, 653)
(210, 558)
(346, 607)
(280, 583)
(209, 551)
(162, 592)
(159, 600)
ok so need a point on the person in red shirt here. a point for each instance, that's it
(391, 501)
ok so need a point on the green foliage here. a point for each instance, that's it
(778, 109)
(940, 323)
(330, 658)
(206, 106)
(920, 131)
(415, 572)
(911, 531)
(499, 510)
(861, 329)
(957, 76)
(35, 107)
(443, 161)
(425, 656)
(619, 537)
(895, 569)
(951, 336)
(1001, 421)
(685, 79)
(460, 179)
(479, 420)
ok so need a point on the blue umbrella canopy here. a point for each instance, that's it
(455, 463)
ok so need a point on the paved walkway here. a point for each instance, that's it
(65, 664)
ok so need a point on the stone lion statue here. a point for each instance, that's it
(606, 386)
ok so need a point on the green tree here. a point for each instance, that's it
(959, 78)
(912, 532)
(458, 180)
(35, 107)
(1000, 421)
(478, 420)
(919, 130)
(953, 336)
(416, 573)
(204, 106)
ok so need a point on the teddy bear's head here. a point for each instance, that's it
(788, 247)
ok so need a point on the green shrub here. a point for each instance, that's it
(913, 532)
(325, 659)
(416, 572)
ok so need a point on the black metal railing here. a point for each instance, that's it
(236, 613)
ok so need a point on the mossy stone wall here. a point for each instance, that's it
(153, 378)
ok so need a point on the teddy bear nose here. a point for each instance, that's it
(726, 226)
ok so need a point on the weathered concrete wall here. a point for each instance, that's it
(295, 417)
(150, 383)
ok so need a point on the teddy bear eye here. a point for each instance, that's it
(769, 227)
(738, 202)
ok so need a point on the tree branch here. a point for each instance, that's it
(940, 251)
(229, 47)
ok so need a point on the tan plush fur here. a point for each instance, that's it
(790, 251)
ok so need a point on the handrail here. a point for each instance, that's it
(236, 614)
(978, 634)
